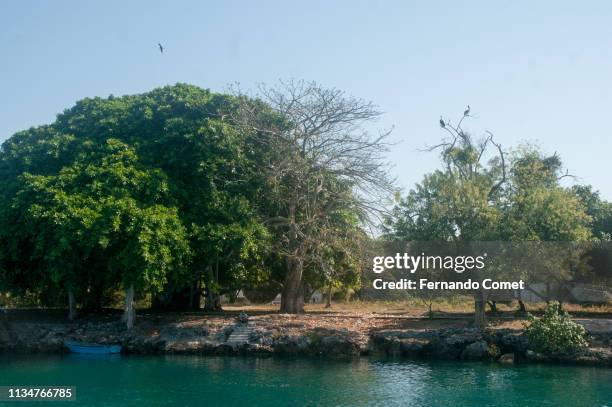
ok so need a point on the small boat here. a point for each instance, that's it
(92, 348)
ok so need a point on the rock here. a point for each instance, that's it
(303, 342)
(462, 338)
(476, 351)
(256, 335)
(393, 346)
(412, 347)
(380, 342)
(338, 346)
(535, 356)
(286, 345)
(513, 342)
(223, 334)
(507, 358)
(493, 351)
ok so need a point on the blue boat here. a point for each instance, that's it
(92, 348)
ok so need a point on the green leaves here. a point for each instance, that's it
(147, 190)
(555, 333)
(456, 203)
(109, 204)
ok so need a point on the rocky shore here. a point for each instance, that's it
(468, 344)
(328, 336)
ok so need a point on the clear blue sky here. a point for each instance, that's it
(532, 71)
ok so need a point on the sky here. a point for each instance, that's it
(532, 72)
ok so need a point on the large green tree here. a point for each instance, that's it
(104, 214)
(138, 168)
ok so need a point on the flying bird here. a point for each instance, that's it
(467, 111)
(442, 124)
(161, 48)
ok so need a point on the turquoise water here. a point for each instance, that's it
(236, 381)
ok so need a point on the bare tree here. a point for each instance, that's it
(321, 161)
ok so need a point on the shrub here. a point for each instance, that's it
(555, 333)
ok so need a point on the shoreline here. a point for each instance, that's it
(315, 336)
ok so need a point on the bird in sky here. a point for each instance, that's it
(442, 124)
(467, 111)
(161, 48)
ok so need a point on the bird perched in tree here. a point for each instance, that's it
(467, 111)
(161, 48)
(442, 124)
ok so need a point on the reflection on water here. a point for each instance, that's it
(114, 380)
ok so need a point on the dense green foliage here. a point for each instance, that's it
(555, 333)
(469, 200)
(100, 221)
(599, 210)
(180, 192)
(168, 194)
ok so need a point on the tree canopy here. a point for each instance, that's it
(482, 193)
(171, 193)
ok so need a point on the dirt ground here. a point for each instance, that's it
(361, 317)
(460, 307)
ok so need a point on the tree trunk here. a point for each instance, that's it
(480, 319)
(292, 300)
(233, 296)
(72, 313)
(213, 299)
(519, 296)
(329, 295)
(197, 299)
(493, 306)
(129, 313)
(195, 292)
(212, 302)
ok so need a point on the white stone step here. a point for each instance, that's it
(240, 335)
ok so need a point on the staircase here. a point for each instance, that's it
(240, 335)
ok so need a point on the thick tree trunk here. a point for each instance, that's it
(521, 304)
(212, 302)
(213, 299)
(480, 319)
(329, 295)
(195, 292)
(129, 313)
(430, 313)
(292, 300)
(72, 313)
